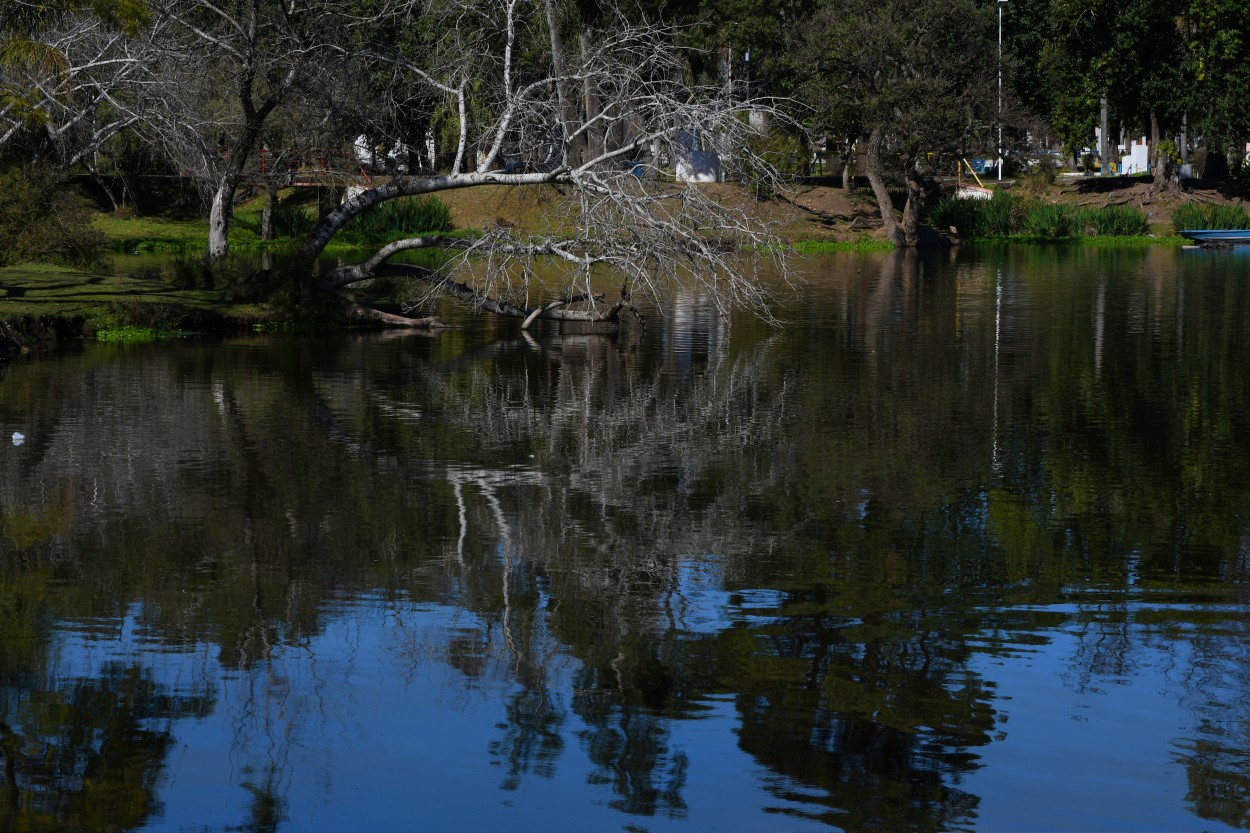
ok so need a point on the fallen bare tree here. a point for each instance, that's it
(523, 94)
(605, 123)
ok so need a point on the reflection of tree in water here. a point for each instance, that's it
(531, 739)
(642, 469)
(561, 489)
(604, 541)
(87, 755)
(1217, 756)
(1206, 653)
(630, 750)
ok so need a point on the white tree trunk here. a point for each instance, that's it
(219, 221)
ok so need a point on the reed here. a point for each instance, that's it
(1201, 216)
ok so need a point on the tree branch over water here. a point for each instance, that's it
(622, 221)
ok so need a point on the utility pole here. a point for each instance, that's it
(999, 166)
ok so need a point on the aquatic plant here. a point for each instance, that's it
(1001, 215)
(408, 215)
(1112, 221)
(1008, 214)
(1204, 216)
(964, 216)
(1046, 220)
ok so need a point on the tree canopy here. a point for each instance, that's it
(606, 101)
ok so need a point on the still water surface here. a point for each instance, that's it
(966, 546)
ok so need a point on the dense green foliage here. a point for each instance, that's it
(1161, 64)
(409, 215)
(1009, 214)
(916, 80)
(42, 221)
(1113, 221)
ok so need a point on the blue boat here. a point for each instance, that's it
(1217, 236)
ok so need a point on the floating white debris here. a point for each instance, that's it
(18, 438)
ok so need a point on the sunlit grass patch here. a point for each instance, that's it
(136, 335)
(819, 247)
(151, 234)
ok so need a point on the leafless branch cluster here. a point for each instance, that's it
(514, 92)
(607, 123)
(74, 87)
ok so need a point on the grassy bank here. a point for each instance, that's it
(179, 295)
(105, 301)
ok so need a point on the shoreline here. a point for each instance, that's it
(41, 303)
(153, 312)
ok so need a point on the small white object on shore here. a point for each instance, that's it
(18, 438)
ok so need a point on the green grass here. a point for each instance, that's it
(44, 290)
(820, 247)
(152, 234)
(136, 335)
(390, 221)
(1133, 242)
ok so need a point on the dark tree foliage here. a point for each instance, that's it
(912, 77)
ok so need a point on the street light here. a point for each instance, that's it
(1001, 3)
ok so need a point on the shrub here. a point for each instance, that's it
(291, 220)
(1041, 175)
(1008, 214)
(43, 219)
(195, 270)
(1002, 215)
(145, 315)
(406, 215)
(784, 154)
(952, 212)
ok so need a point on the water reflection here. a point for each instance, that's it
(726, 577)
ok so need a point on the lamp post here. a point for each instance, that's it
(1001, 3)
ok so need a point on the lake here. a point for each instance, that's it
(963, 546)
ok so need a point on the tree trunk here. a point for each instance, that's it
(913, 207)
(266, 214)
(884, 205)
(1104, 139)
(847, 161)
(1161, 167)
(595, 140)
(219, 219)
(568, 108)
(107, 189)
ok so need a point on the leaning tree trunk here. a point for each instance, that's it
(884, 204)
(107, 189)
